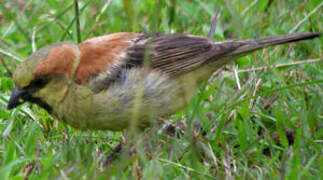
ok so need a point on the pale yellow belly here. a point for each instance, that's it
(137, 102)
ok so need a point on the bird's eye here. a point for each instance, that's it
(37, 83)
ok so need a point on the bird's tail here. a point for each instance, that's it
(246, 46)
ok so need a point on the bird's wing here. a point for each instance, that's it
(176, 53)
(170, 54)
(104, 59)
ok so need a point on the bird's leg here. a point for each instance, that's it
(114, 153)
(129, 141)
(175, 129)
(132, 143)
(127, 145)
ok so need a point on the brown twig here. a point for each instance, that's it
(28, 169)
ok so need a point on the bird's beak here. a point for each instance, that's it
(16, 97)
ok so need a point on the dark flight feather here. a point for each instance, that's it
(176, 54)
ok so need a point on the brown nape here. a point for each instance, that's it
(60, 61)
(98, 54)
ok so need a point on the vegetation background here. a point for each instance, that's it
(243, 124)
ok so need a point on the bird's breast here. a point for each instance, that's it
(138, 99)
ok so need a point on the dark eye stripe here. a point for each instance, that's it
(36, 84)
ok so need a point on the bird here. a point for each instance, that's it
(124, 80)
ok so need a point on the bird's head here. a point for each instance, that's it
(43, 77)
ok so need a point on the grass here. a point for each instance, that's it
(269, 128)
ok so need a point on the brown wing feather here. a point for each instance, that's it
(172, 54)
(177, 53)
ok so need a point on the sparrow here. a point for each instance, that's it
(125, 79)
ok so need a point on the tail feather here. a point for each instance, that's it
(247, 46)
(287, 38)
